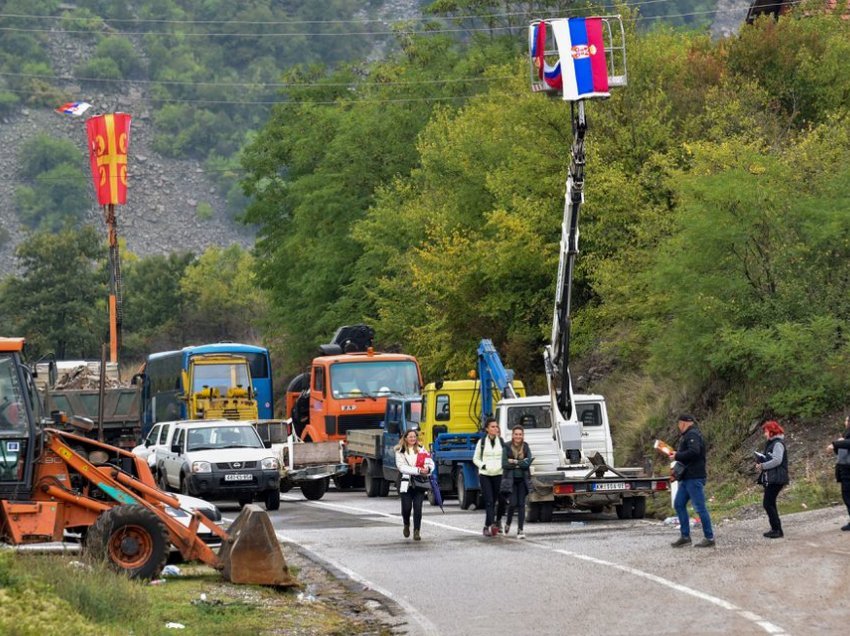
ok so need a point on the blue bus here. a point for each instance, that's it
(163, 393)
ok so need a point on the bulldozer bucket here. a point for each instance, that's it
(252, 554)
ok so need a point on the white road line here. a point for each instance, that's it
(428, 628)
(765, 625)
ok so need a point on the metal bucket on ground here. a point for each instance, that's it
(252, 554)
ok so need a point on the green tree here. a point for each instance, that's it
(154, 303)
(58, 301)
(221, 300)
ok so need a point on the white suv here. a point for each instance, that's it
(219, 459)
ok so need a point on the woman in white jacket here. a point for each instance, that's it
(410, 464)
(488, 458)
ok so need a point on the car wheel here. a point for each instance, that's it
(272, 499)
(162, 480)
(184, 486)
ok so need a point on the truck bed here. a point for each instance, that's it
(364, 442)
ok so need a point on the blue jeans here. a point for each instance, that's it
(692, 490)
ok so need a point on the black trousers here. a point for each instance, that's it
(517, 503)
(771, 492)
(493, 500)
(845, 494)
(412, 499)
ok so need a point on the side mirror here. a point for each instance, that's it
(267, 443)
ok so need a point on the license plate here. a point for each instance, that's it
(238, 477)
(613, 485)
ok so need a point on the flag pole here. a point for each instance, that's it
(114, 283)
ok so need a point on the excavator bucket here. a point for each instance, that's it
(251, 554)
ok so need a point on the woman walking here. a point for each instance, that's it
(841, 447)
(413, 468)
(516, 462)
(488, 459)
(774, 474)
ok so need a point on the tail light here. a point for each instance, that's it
(660, 485)
(564, 489)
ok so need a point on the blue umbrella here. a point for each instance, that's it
(435, 488)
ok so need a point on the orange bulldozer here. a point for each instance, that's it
(54, 482)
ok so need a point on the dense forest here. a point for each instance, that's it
(422, 192)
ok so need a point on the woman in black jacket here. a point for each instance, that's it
(841, 447)
(516, 479)
(774, 474)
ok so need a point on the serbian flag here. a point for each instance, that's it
(581, 48)
(73, 108)
(549, 73)
(109, 138)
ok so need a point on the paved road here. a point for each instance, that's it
(581, 573)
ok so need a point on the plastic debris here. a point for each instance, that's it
(578, 523)
(79, 565)
(175, 626)
(671, 521)
(157, 582)
(170, 570)
(309, 597)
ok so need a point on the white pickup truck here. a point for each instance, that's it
(220, 460)
(592, 484)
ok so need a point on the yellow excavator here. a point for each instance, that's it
(55, 482)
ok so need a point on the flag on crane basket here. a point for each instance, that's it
(73, 108)
(581, 71)
(109, 139)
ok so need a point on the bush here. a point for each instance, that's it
(43, 153)
(204, 211)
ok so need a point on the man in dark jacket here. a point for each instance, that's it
(691, 454)
(841, 447)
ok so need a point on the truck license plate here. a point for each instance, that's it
(237, 477)
(613, 485)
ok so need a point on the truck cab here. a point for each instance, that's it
(218, 386)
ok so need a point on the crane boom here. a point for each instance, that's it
(556, 355)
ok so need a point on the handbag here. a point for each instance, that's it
(421, 483)
(678, 469)
(507, 485)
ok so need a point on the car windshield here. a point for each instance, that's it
(207, 438)
(222, 376)
(529, 416)
(374, 379)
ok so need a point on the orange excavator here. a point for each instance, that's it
(55, 482)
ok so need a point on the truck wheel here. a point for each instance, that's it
(373, 484)
(286, 485)
(597, 509)
(343, 482)
(624, 510)
(272, 499)
(547, 511)
(385, 488)
(533, 515)
(464, 496)
(130, 539)
(314, 490)
(638, 507)
(432, 498)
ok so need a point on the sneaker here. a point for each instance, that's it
(846, 527)
(520, 535)
(774, 534)
(406, 531)
(678, 543)
(486, 531)
(705, 543)
(507, 529)
(495, 530)
(416, 536)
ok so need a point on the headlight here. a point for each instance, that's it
(201, 467)
(270, 463)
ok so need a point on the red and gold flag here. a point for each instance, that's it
(109, 138)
